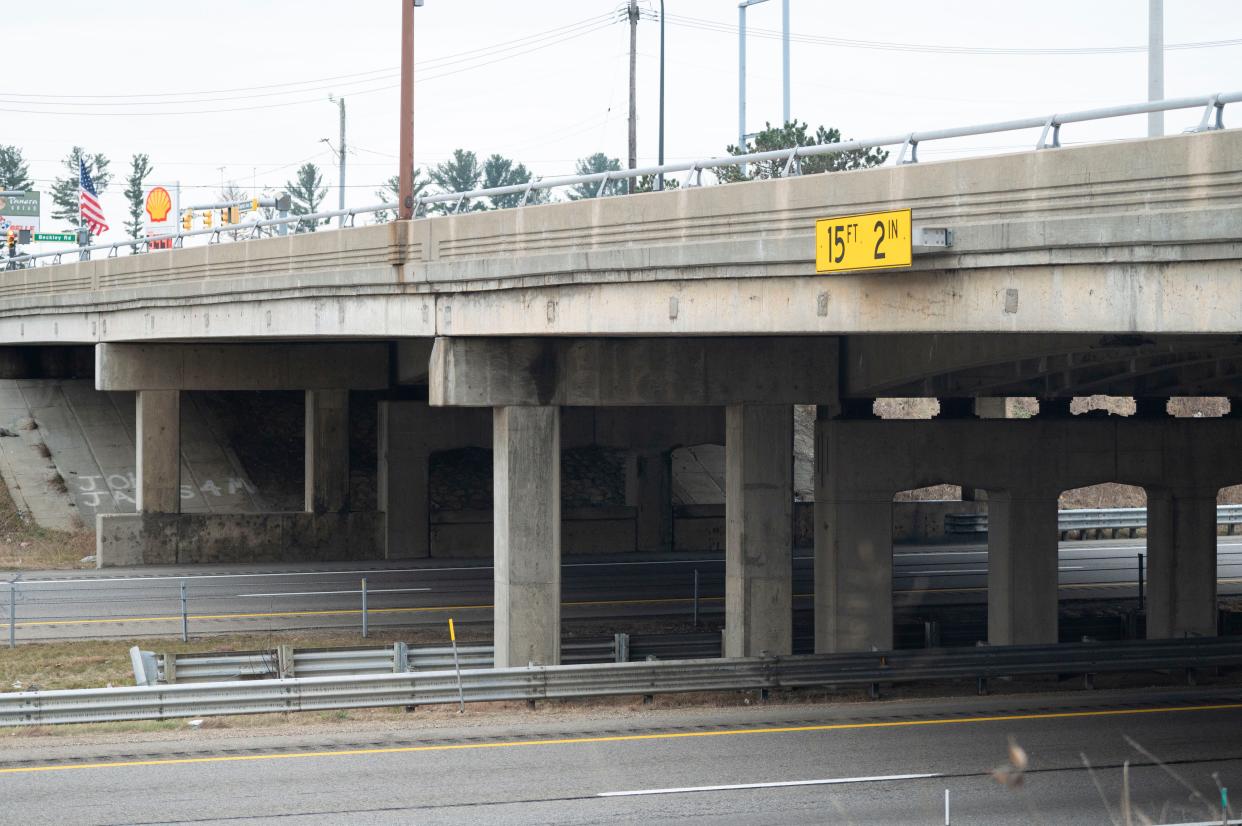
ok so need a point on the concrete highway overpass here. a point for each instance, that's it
(696, 316)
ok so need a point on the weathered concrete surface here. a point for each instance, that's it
(758, 530)
(158, 442)
(1135, 236)
(290, 366)
(326, 475)
(649, 488)
(527, 453)
(862, 463)
(482, 372)
(1046, 366)
(181, 539)
(1023, 547)
(1181, 563)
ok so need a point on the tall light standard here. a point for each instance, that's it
(405, 175)
(1155, 65)
(741, 70)
(741, 64)
(785, 55)
(660, 162)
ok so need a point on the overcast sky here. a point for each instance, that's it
(237, 90)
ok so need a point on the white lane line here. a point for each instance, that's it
(330, 593)
(831, 781)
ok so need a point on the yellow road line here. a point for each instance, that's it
(628, 738)
(342, 612)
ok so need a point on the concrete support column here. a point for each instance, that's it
(853, 555)
(402, 479)
(651, 492)
(159, 451)
(527, 466)
(1022, 568)
(327, 451)
(1181, 564)
(758, 530)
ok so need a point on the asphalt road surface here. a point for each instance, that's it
(875, 762)
(147, 601)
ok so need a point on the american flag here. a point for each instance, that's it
(88, 202)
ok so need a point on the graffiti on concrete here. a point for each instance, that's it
(121, 488)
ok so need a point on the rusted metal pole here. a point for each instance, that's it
(406, 172)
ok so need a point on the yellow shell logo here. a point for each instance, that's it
(159, 204)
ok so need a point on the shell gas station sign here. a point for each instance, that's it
(160, 211)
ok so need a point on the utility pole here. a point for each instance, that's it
(1155, 65)
(632, 13)
(785, 54)
(340, 221)
(405, 175)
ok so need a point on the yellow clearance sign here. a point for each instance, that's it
(873, 240)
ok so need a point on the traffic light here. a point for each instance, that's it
(187, 220)
(207, 219)
(254, 203)
(231, 215)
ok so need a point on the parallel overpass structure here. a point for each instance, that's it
(696, 315)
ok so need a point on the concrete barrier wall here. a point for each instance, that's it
(190, 538)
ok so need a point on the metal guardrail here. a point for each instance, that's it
(1083, 519)
(287, 662)
(1050, 138)
(633, 678)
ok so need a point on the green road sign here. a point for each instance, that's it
(55, 236)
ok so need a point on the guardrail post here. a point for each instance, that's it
(621, 647)
(169, 662)
(364, 608)
(13, 613)
(185, 617)
(1141, 588)
(285, 662)
(400, 658)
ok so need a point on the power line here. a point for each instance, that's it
(355, 93)
(428, 64)
(926, 48)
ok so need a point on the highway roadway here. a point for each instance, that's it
(123, 603)
(872, 762)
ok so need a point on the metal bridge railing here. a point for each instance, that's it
(1213, 107)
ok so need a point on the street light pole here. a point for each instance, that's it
(660, 177)
(405, 175)
(785, 54)
(741, 72)
(1155, 65)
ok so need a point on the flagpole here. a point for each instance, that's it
(83, 240)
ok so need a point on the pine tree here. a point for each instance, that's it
(306, 192)
(65, 190)
(139, 169)
(795, 134)
(461, 173)
(14, 173)
(500, 171)
(590, 165)
(390, 193)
